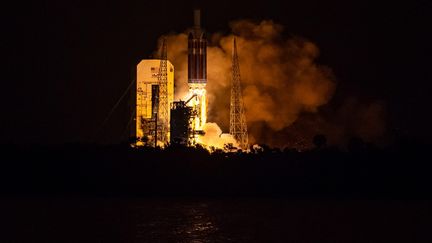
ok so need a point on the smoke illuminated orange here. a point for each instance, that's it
(279, 77)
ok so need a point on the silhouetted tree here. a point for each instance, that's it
(320, 141)
(356, 144)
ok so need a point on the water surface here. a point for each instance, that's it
(214, 220)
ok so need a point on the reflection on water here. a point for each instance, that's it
(279, 221)
(197, 225)
(212, 220)
(180, 223)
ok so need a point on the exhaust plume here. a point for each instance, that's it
(280, 79)
(214, 137)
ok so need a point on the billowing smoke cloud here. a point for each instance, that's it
(280, 79)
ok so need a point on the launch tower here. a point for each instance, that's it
(238, 127)
(151, 90)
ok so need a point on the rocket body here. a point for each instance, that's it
(197, 55)
(197, 72)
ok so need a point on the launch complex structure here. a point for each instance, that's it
(161, 120)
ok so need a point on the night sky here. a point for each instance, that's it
(68, 62)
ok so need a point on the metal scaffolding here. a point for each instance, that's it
(163, 116)
(238, 127)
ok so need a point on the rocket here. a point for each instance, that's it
(197, 54)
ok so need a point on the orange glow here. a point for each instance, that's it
(280, 78)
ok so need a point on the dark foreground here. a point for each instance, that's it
(362, 171)
(79, 193)
(214, 220)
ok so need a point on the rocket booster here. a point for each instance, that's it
(197, 53)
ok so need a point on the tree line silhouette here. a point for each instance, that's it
(362, 170)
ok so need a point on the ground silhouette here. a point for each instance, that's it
(401, 170)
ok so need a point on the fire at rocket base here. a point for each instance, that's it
(197, 72)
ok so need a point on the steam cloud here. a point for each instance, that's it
(279, 77)
(213, 136)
